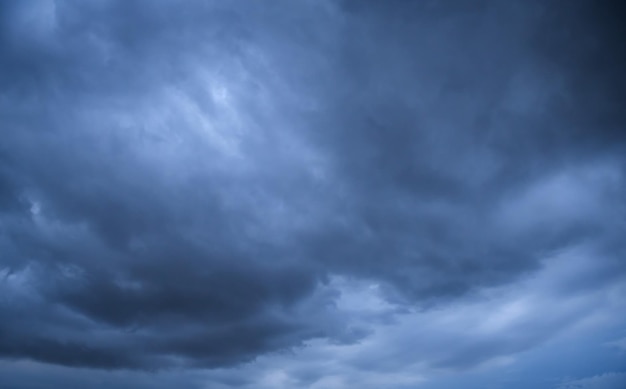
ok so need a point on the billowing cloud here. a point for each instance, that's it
(428, 186)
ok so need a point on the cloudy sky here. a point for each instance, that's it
(324, 194)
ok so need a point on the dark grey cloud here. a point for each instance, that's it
(452, 113)
(130, 267)
(182, 184)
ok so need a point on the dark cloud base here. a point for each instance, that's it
(149, 219)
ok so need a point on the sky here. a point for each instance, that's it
(322, 194)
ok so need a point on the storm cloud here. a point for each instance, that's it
(214, 189)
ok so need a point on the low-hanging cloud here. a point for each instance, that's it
(198, 184)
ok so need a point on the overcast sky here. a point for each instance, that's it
(324, 194)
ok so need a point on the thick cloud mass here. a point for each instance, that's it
(201, 184)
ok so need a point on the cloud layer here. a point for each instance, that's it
(206, 184)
